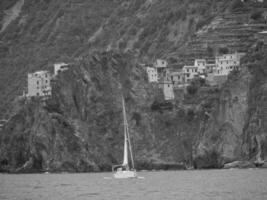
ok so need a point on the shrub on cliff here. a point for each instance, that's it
(223, 50)
(192, 89)
(237, 5)
(6, 4)
(256, 15)
(201, 23)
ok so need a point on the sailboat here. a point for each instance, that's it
(124, 170)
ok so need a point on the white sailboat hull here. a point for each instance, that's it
(125, 174)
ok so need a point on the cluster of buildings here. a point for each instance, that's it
(39, 83)
(214, 73)
(168, 79)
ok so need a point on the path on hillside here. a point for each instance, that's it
(11, 14)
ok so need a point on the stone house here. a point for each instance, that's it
(39, 84)
(152, 74)
(201, 65)
(178, 79)
(168, 90)
(227, 63)
(159, 63)
(210, 68)
(59, 67)
(190, 73)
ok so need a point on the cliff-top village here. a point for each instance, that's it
(168, 79)
(215, 73)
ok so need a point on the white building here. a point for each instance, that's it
(177, 77)
(152, 74)
(159, 63)
(59, 67)
(190, 73)
(168, 90)
(201, 65)
(227, 63)
(210, 68)
(39, 84)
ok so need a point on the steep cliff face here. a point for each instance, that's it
(236, 128)
(221, 137)
(255, 130)
(80, 127)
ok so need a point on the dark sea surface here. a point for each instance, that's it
(247, 184)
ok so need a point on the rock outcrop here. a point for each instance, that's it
(80, 127)
(236, 130)
(221, 137)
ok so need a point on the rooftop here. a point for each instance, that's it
(40, 72)
(200, 60)
(190, 67)
(177, 72)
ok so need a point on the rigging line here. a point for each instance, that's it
(127, 132)
(130, 147)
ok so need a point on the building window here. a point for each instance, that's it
(187, 75)
(187, 70)
(37, 82)
(37, 93)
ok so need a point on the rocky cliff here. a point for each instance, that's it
(235, 129)
(80, 127)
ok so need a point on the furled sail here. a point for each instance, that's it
(125, 152)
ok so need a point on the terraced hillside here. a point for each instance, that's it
(233, 31)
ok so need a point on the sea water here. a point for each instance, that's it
(247, 184)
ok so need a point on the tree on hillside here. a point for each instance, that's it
(237, 5)
(223, 50)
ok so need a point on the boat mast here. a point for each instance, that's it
(126, 132)
(125, 152)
